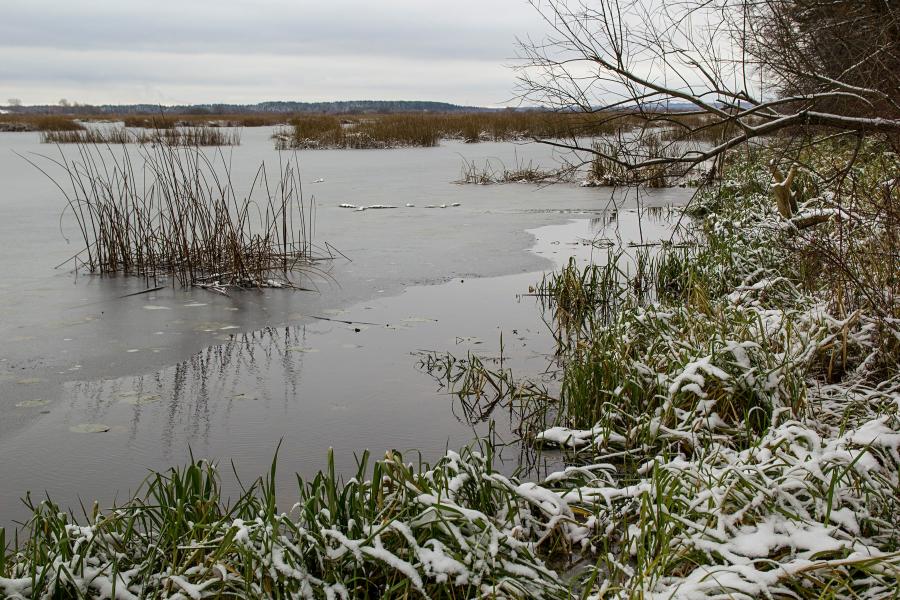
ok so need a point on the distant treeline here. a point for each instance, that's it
(339, 107)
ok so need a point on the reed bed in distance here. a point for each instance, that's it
(170, 121)
(39, 123)
(170, 211)
(182, 136)
(494, 171)
(427, 129)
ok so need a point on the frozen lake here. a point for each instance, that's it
(181, 370)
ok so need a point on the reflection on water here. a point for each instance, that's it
(222, 384)
(606, 218)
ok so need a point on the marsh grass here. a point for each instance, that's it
(729, 384)
(427, 129)
(728, 414)
(168, 211)
(173, 120)
(160, 121)
(175, 136)
(696, 128)
(87, 136)
(396, 529)
(607, 166)
(39, 123)
(369, 132)
(191, 136)
(494, 171)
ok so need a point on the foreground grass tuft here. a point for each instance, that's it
(458, 529)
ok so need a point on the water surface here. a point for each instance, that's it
(181, 370)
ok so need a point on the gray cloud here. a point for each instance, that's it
(105, 51)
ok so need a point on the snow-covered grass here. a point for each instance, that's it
(747, 389)
(454, 530)
(730, 411)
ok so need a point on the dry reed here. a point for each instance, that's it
(39, 123)
(427, 129)
(171, 120)
(182, 136)
(168, 211)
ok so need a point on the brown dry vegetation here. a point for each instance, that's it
(427, 129)
(181, 136)
(169, 121)
(39, 123)
(174, 212)
(54, 122)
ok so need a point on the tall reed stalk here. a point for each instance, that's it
(171, 136)
(168, 211)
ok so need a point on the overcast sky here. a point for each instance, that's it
(242, 51)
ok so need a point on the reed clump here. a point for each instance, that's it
(166, 211)
(608, 165)
(191, 136)
(117, 135)
(172, 120)
(45, 123)
(427, 129)
(160, 121)
(181, 136)
(495, 171)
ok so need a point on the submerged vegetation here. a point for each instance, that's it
(183, 217)
(729, 409)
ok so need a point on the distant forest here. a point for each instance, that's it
(339, 107)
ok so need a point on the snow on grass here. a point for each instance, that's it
(730, 432)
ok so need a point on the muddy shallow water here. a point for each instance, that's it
(182, 370)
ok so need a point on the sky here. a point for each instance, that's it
(241, 51)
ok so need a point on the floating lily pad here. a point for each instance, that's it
(89, 428)
(137, 399)
(31, 403)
